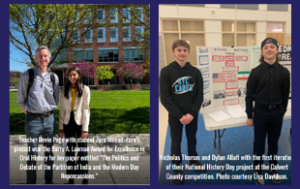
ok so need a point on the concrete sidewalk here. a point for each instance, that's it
(140, 176)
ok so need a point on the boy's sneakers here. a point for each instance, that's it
(275, 179)
(178, 181)
(259, 177)
(197, 163)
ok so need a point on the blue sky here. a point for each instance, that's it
(17, 55)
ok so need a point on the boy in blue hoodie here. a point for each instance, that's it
(181, 92)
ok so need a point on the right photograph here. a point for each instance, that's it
(225, 94)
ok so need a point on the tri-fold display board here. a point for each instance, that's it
(225, 71)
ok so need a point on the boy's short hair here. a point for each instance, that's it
(180, 42)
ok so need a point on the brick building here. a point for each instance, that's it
(113, 42)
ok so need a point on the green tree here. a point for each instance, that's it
(54, 25)
(104, 72)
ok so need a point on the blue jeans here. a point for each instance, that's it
(33, 127)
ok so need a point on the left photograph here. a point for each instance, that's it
(79, 94)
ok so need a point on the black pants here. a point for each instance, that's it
(73, 130)
(269, 123)
(176, 137)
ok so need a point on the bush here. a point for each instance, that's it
(131, 71)
(104, 72)
(14, 81)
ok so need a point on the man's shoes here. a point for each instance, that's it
(85, 181)
(178, 181)
(198, 166)
(259, 177)
(71, 181)
(48, 182)
(275, 175)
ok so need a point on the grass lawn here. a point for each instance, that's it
(111, 112)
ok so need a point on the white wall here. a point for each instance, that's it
(213, 16)
(213, 21)
(213, 34)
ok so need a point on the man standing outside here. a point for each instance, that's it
(38, 105)
(268, 85)
(181, 89)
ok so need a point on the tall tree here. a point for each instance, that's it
(58, 26)
(54, 25)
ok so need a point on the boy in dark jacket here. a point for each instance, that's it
(269, 86)
(181, 92)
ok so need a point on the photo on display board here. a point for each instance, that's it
(206, 102)
(79, 94)
(242, 92)
(219, 94)
(225, 51)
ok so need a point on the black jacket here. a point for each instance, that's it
(181, 89)
(268, 85)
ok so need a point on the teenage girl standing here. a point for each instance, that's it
(74, 118)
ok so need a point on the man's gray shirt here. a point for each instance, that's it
(42, 97)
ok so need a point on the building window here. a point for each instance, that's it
(247, 6)
(228, 6)
(83, 54)
(126, 33)
(76, 35)
(101, 35)
(240, 6)
(133, 54)
(89, 36)
(126, 15)
(62, 57)
(192, 5)
(101, 16)
(76, 17)
(88, 80)
(114, 34)
(108, 55)
(140, 33)
(114, 15)
(277, 7)
(88, 16)
(139, 14)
